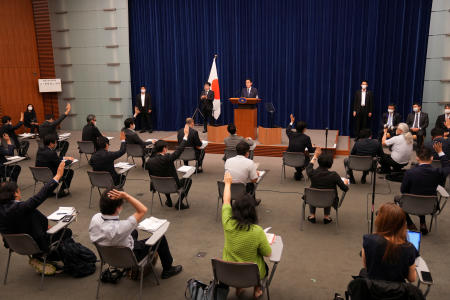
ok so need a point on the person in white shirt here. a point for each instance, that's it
(106, 229)
(402, 148)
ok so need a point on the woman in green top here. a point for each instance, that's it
(244, 240)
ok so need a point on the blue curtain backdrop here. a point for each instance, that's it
(306, 56)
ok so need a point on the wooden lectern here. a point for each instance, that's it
(246, 116)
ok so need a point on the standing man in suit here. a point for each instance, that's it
(90, 131)
(8, 128)
(207, 98)
(232, 140)
(298, 142)
(193, 140)
(143, 103)
(47, 157)
(362, 108)
(8, 171)
(390, 120)
(132, 137)
(443, 121)
(103, 159)
(249, 91)
(162, 164)
(418, 123)
(48, 127)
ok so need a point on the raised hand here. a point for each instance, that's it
(186, 130)
(115, 194)
(67, 109)
(21, 117)
(227, 179)
(60, 171)
(437, 147)
(292, 118)
(317, 152)
(122, 135)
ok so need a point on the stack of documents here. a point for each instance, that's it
(123, 165)
(67, 134)
(13, 157)
(151, 140)
(109, 137)
(204, 144)
(61, 213)
(151, 224)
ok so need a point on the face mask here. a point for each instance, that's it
(363, 86)
(143, 91)
(390, 110)
(30, 108)
(447, 111)
(415, 109)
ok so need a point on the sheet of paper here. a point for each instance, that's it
(123, 165)
(61, 213)
(270, 238)
(185, 169)
(442, 191)
(151, 224)
(204, 144)
(13, 157)
(66, 134)
(110, 137)
(151, 140)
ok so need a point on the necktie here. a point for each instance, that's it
(390, 120)
(248, 92)
(416, 125)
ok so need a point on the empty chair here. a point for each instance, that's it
(321, 198)
(237, 191)
(188, 154)
(361, 163)
(42, 174)
(100, 180)
(239, 275)
(165, 185)
(292, 159)
(420, 205)
(87, 148)
(122, 257)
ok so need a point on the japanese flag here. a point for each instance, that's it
(214, 80)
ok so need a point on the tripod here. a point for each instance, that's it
(197, 111)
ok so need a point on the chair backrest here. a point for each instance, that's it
(360, 163)
(119, 257)
(22, 243)
(86, 147)
(101, 179)
(237, 189)
(365, 288)
(294, 159)
(418, 205)
(164, 185)
(41, 174)
(320, 197)
(135, 150)
(40, 143)
(436, 164)
(188, 154)
(229, 153)
(239, 275)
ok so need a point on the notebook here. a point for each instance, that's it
(61, 213)
(414, 238)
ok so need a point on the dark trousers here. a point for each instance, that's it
(67, 179)
(350, 171)
(199, 156)
(140, 250)
(11, 172)
(22, 149)
(361, 120)
(298, 170)
(387, 164)
(62, 147)
(207, 118)
(119, 181)
(145, 120)
(33, 128)
(186, 183)
(326, 210)
(420, 135)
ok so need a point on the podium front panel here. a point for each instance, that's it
(246, 120)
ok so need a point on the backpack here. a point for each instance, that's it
(197, 290)
(78, 260)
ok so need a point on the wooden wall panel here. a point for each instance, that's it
(19, 64)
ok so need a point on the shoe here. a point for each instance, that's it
(412, 227)
(199, 170)
(327, 221)
(39, 267)
(174, 270)
(352, 180)
(312, 220)
(183, 206)
(63, 194)
(205, 131)
(168, 203)
(363, 180)
(150, 131)
(298, 176)
(258, 201)
(142, 131)
(423, 229)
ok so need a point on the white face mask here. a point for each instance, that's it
(415, 109)
(143, 91)
(390, 110)
(364, 86)
(447, 111)
(30, 108)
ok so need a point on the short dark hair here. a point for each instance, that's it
(447, 105)
(231, 128)
(49, 116)
(300, 126)
(392, 104)
(6, 119)
(437, 132)
(128, 122)
(102, 141)
(143, 86)
(424, 153)
(90, 118)
(248, 79)
(208, 83)
(7, 191)
(325, 160)
(242, 148)
(364, 133)
(160, 145)
(365, 81)
(49, 139)
(417, 103)
(109, 206)
(244, 212)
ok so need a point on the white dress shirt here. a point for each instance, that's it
(143, 99)
(111, 231)
(363, 98)
(416, 123)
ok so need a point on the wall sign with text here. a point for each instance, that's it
(49, 85)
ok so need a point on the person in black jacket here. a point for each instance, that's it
(8, 128)
(249, 91)
(364, 146)
(11, 172)
(194, 141)
(103, 159)
(362, 107)
(437, 136)
(90, 131)
(30, 119)
(206, 99)
(443, 121)
(18, 216)
(144, 110)
(298, 142)
(132, 137)
(48, 127)
(418, 123)
(323, 178)
(47, 157)
(161, 164)
(424, 179)
(390, 120)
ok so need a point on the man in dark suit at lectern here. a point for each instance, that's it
(143, 103)
(362, 108)
(206, 99)
(249, 91)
